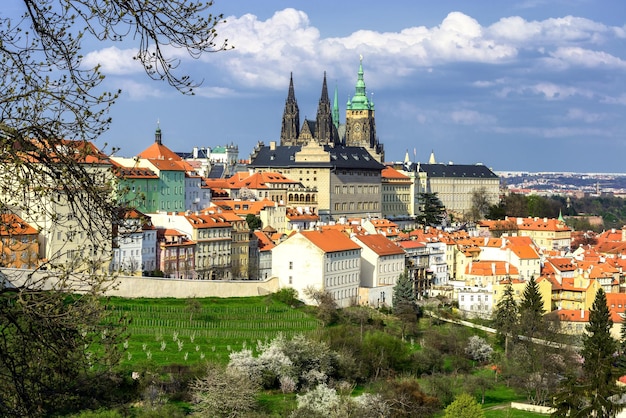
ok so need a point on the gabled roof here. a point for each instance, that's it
(265, 242)
(380, 244)
(391, 173)
(158, 151)
(330, 241)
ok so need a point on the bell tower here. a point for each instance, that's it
(360, 123)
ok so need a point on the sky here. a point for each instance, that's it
(528, 85)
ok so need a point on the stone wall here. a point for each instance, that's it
(148, 287)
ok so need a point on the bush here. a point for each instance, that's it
(288, 296)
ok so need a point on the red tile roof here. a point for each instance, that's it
(380, 244)
(331, 240)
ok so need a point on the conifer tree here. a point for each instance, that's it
(403, 290)
(403, 299)
(531, 311)
(506, 317)
(594, 392)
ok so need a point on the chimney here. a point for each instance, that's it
(273, 145)
(195, 152)
(493, 269)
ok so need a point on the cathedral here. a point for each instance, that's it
(359, 129)
(341, 163)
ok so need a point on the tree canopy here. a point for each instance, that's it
(52, 107)
(432, 211)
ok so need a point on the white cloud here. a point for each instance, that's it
(550, 91)
(579, 57)
(267, 51)
(114, 61)
(471, 117)
(139, 91)
(583, 115)
(554, 31)
(215, 92)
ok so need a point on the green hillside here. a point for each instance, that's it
(188, 331)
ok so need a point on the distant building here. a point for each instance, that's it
(18, 243)
(453, 183)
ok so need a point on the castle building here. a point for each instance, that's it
(341, 161)
(358, 131)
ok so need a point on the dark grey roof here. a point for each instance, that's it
(217, 172)
(340, 157)
(202, 153)
(454, 170)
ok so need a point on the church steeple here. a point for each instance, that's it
(324, 128)
(360, 123)
(290, 130)
(157, 134)
(359, 100)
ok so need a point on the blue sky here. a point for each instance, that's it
(516, 85)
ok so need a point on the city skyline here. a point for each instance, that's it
(521, 86)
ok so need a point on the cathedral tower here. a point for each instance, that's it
(360, 124)
(290, 130)
(325, 131)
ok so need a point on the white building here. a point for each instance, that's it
(475, 301)
(323, 260)
(382, 262)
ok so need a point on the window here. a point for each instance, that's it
(291, 265)
(290, 280)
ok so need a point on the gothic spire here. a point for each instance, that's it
(290, 130)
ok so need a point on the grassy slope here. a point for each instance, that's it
(166, 331)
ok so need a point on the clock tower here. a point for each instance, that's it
(360, 124)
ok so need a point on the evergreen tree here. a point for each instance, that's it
(591, 394)
(506, 317)
(403, 290)
(432, 212)
(531, 311)
(403, 299)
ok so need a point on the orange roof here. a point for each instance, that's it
(133, 172)
(294, 215)
(265, 243)
(380, 244)
(617, 306)
(330, 241)
(11, 224)
(257, 180)
(524, 251)
(158, 151)
(491, 268)
(410, 244)
(245, 207)
(392, 173)
(572, 315)
(563, 264)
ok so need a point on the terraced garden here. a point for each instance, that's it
(178, 331)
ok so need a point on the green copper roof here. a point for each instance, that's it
(360, 101)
